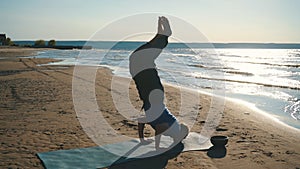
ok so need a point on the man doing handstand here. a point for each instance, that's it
(150, 89)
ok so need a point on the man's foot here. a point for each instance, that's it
(160, 28)
(164, 26)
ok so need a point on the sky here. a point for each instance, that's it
(264, 21)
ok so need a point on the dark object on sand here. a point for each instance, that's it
(219, 141)
(219, 149)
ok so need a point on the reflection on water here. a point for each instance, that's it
(293, 108)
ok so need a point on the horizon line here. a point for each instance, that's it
(216, 42)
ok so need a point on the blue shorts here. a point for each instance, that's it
(165, 117)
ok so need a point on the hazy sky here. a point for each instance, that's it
(218, 20)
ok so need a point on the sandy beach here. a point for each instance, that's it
(37, 115)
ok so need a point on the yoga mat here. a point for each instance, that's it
(113, 154)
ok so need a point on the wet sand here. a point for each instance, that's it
(37, 115)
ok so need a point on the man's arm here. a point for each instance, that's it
(157, 141)
(159, 129)
(141, 127)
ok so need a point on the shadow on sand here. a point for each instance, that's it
(160, 161)
(217, 152)
(157, 162)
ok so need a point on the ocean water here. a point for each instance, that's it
(265, 75)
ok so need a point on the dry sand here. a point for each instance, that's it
(37, 115)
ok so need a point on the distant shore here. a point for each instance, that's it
(63, 47)
(37, 115)
(16, 51)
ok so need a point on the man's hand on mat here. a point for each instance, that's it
(160, 149)
(144, 142)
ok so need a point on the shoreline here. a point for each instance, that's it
(264, 113)
(234, 100)
(257, 111)
(277, 113)
(37, 115)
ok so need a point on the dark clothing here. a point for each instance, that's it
(143, 68)
(159, 42)
(146, 81)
